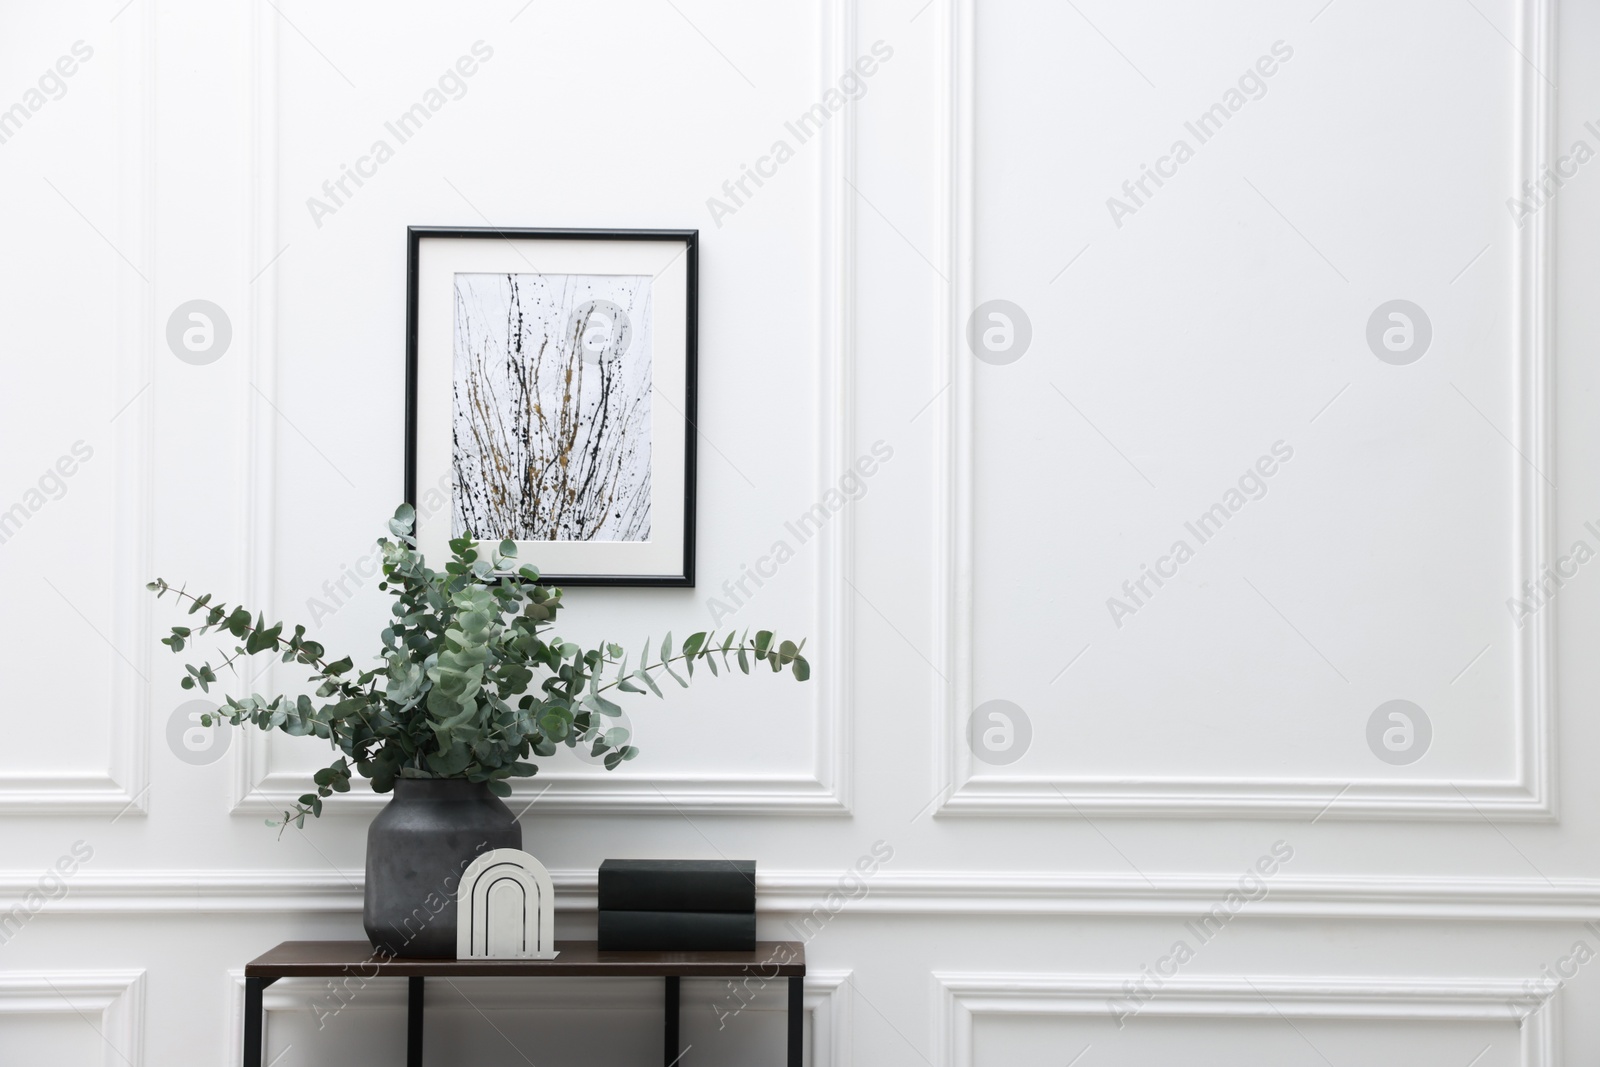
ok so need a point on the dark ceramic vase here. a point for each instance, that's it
(417, 849)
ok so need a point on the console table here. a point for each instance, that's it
(340, 959)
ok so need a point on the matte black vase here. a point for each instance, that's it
(417, 849)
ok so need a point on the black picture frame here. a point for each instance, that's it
(415, 235)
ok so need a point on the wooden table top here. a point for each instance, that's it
(330, 959)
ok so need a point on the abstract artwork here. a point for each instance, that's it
(550, 398)
(552, 384)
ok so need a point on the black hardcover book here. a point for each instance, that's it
(678, 885)
(677, 931)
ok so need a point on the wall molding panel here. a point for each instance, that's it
(958, 894)
(1530, 795)
(258, 789)
(123, 786)
(116, 998)
(1420, 999)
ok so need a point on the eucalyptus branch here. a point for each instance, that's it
(217, 616)
(745, 649)
(468, 685)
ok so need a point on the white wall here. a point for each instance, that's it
(1427, 908)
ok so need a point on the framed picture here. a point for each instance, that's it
(550, 398)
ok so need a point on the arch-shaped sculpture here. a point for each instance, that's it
(506, 908)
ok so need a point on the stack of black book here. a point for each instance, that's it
(678, 905)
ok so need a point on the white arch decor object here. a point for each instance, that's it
(506, 908)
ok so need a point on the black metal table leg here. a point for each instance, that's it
(671, 1052)
(252, 1022)
(254, 1019)
(797, 1019)
(414, 994)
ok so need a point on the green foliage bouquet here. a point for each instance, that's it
(471, 683)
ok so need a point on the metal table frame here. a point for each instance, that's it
(320, 959)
